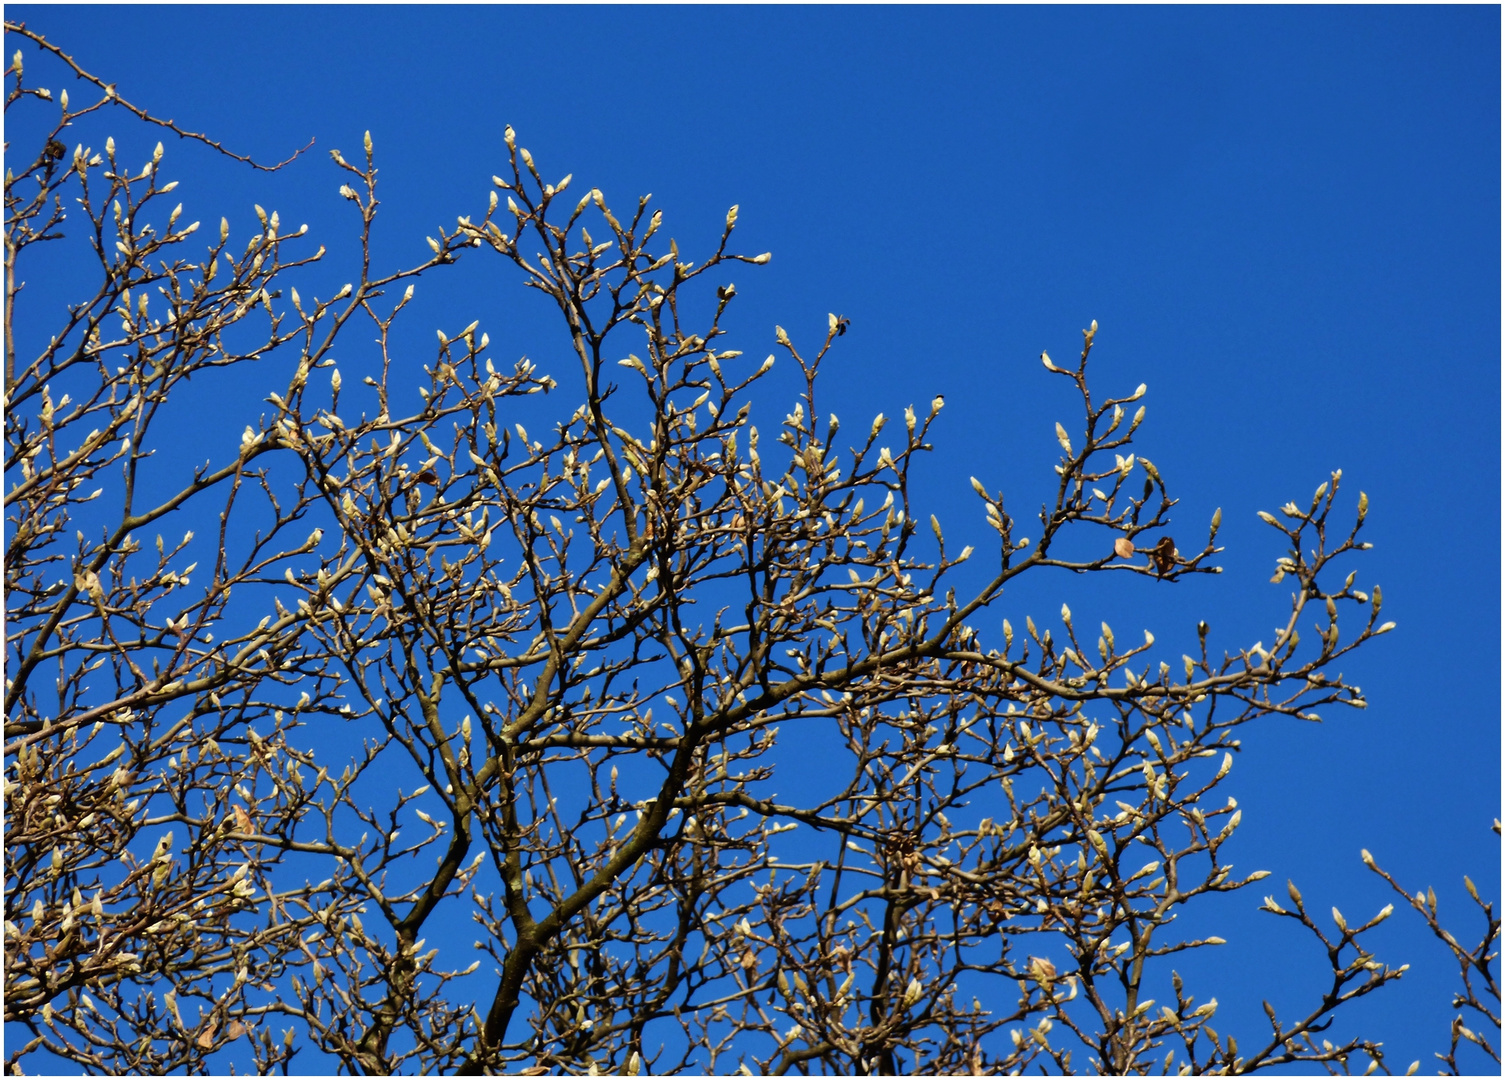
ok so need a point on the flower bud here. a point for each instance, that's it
(913, 992)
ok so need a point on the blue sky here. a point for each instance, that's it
(1285, 220)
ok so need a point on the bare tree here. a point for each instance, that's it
(423, 665)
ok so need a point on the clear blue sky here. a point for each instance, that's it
(1286, 220)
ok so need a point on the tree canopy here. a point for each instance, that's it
(280, 719)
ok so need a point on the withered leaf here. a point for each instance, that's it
(1164, 555)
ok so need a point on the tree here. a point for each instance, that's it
(424, 664)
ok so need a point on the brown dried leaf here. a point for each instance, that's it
(206, 1037)
(1164, 555)
(1123, 547)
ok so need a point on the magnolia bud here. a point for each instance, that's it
(913, 992)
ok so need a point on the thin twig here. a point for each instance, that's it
(114, 96)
